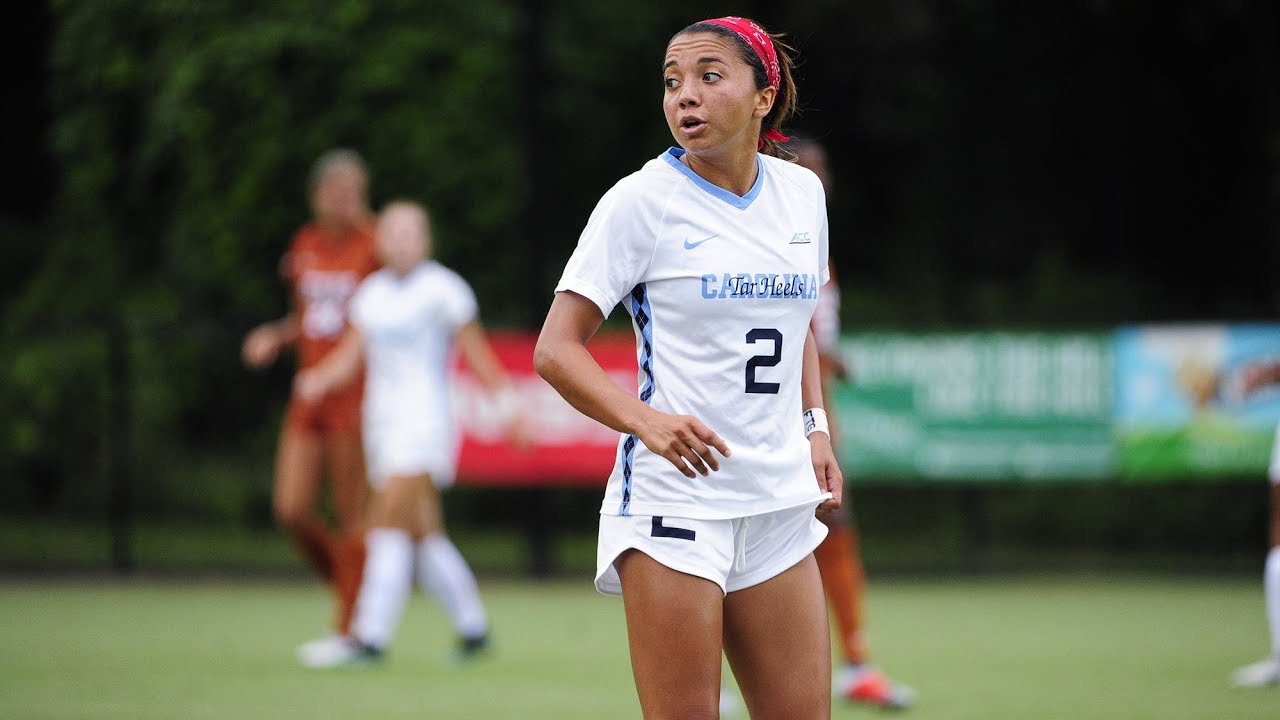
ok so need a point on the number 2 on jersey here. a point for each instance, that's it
(759, 361)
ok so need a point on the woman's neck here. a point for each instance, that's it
(403, 271)
(334, 230)
(734, 171)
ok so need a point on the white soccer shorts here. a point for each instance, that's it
(403, 450)
(734, 554)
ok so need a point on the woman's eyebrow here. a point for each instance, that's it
(701, 61)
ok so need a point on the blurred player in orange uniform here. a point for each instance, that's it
(326, 261)
(839, 561)
(1266, 672)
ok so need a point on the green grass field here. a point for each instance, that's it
(990, 649)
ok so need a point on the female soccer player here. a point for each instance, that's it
(717, 250)
(326, 261)
(406, 320)
(839, 562)
(1266, 672)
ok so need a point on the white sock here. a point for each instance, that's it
(445, 574)
(388, 578)
(1271, 590)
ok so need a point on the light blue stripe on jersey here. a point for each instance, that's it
(643, 316)
(672, 156)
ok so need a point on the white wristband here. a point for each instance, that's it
(815, 420)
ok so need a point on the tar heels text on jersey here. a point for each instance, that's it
(739, 286)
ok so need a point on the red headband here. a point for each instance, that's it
(759, 41)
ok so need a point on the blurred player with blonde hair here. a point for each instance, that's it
(406, 321)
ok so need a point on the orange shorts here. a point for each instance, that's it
(335, 413)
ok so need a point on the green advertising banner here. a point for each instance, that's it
(976, 406)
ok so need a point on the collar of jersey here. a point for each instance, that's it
(672, 156)
(415, 272)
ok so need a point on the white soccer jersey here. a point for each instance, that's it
(408, 325)
(721, 289)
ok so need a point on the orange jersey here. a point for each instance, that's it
(323, 275)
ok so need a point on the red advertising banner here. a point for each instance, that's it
(568, 448)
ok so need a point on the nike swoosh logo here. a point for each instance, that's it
(691, 245)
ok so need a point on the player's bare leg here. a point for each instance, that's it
(844, 582)
(429, 511)
(349, 493)
(674, 624)
(399, 504)
(778, 643)
(344, 454)
(294, 497)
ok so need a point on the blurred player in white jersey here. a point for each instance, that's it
(406, 320)
(1266, 672)
(839, 562)
(717, 249)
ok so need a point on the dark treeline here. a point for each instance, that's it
(997, 164)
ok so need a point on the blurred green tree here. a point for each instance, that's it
(184, 132)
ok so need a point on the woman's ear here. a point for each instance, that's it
(764, 102)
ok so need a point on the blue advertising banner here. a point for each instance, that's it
(1196, 400)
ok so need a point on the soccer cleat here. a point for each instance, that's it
(313, 648)
(867, 685)
(1259, 674)
(471, 648)
(337, 651)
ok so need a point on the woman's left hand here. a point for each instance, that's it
(827, 470)
(521, 432)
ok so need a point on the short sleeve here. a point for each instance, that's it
(289, 266)
(460, 306)
(613, 252)
(824, 273)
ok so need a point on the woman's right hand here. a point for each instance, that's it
(1258, 375)
(309, 385)
(684, 441)
(260, 347)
